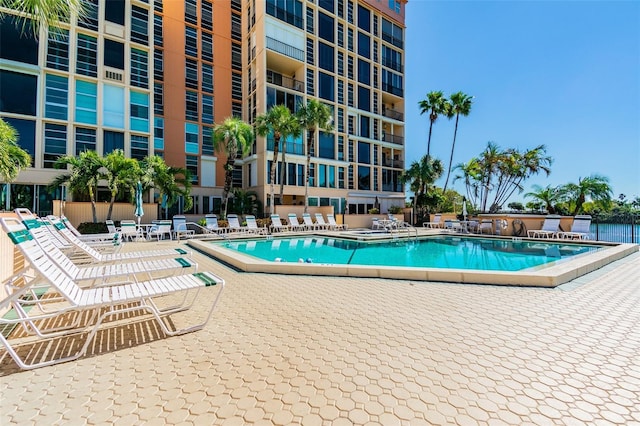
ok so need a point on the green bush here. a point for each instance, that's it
(93, 228)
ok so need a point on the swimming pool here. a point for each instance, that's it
(447, 252)
(458, 259)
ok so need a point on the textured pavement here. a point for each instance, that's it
(330, 351)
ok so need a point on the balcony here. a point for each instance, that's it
(398, 140)
(397, 42)
(389, 63)
(285, 49)
(393, 114)
(396, 164)
(283, 81)
(393, 89)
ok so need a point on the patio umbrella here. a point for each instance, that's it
(464, 208)
(139, 209)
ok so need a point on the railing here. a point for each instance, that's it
(292, 148)
(393, 138)
(390, 63)
(285, 49)
(392, 89)
(283, 81)
(397, 164)
(393, 114)
(619, 228)
(393, 40)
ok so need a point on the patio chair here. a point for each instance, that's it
(333, 225)
(111, 227)
(211, 224)
(276, 224)
(580, 228)
(375, 223)
(486, 225)
(159, 229)
(294, 223)
(106, 273)
(453, 226)
(252, 225)
(234, 224)
(435, 223)
(130, 230)
(180, 228)
(549, 229)
(109, 236)
(320, 223)
(308, 222)
(83, 310)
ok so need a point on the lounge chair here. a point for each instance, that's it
(453, 226)
(109, 236)
(252, 225)
(107, 273)
(130, 230)
(234, 224)
(580, 228)
(211, 224)
(486, 225)
(320, 223)
(308, 222)
(375, 223)
(435, 223)
(276, 224)
(294, 223)
(83, 310)
(549, 229)
(180, 228)
(333, 225)
(111, 227)
(159, 229)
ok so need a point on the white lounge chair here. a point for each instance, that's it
(308, 222)
(111, 227)
(320, 223)
(294, 223)
(234, 224)
(252, 225)
(130, 230)
(435, 223)
(211, 224)
(83, 310)
(334, 225)
(580, 228)
(180, 228)
(276, 224)
(109, 236)
(486, 225)
(549, 229)
(159, 229)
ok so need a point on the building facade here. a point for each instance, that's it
(153, 77)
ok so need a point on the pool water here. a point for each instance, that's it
(433, 252)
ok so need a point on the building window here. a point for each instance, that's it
(139, 68)
(55, 143)
(191, 42)
(18, 92)
(15, 46)
(326, 145)
(392, 33)
(207, 109)
(395, 5)
(86, 102)
(191, 74)
(56, 96)
(112, 141)
(364, 19)
(325, 27)
(191, 111)
(85, 140)
(207, 142)
(192, 167)
(27, 131)
(364, 153)
(325, 57)
(364, 45)
(236, 27)
(207, 47)
(139, 25)
(364, 72)
(113, 54)
(341, 148)
(236, 87)
(191, 135)
(158, 38)
(206, 16)
(236, 57)
(86, 56)
(139, 114)
(207, 78)
(113, 106)
(289, 11)
(327, 5)
(326, 88)
(158, 64)
(158, 95)
(90, 20)
(158, 133)
(139, 147)
(191, 12)
(114, 11)
(58, 50)
(364, 100)
(322, 175)
(364, 178)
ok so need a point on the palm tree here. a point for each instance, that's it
(313, 116)
(548, 196)
(121, 173)
(420, 176)
(595, 187)
(434, 105)
(231, 137)
(171, 182)
(44, 13)
(84, 175)
(246, 202)
(12, 157)
(279, 121)
(460, 105)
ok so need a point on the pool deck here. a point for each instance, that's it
(321, 350)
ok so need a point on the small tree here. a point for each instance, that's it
(12, 157)
(171, 182)
(515, 205)
(121, 174)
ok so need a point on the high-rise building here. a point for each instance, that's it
(152, 77)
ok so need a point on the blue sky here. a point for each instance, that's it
(565, 74)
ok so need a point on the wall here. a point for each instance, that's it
(79, 212)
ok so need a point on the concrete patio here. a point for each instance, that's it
(330, 351)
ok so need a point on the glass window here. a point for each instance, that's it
(325, 57)
(207, 109)
(191, 41)
(207, 143)
(114, 11)
(364, 153)
(364, 72)
(301, 175)
(27, 131)
(364, 19)
(207, 78)
(113, 54)
(55, 143)
(158, 38)
(139, 25)
(58, 50)
(191, 12)
(139, 147)
(364, 100)
(392, 33)
(86, 102)
(15, 46)
(158, 98)
(90, 20)
(139, 68)
(158, 64)
(191, 74)
(86, 62)
(322, 175)
(191, 132)
(56, 96)
(326, 89)
(289, 11)
(206, 16)
(191, 111)
(326, 145)
(158, 133)
(325, 27)
(192, 167)
(18, 92)
(327, 5)
(139, 114)
(85, 140)
(207, 47)
(364, 45)
(112, 141)
(113, 106)
(364, 177)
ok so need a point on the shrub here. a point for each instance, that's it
(93, 228)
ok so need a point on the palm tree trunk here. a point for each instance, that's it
(113, 200)
(274, 164)
(310, 135)
(228, 182)
(453, 145)
(283, 174)
(429, 140)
